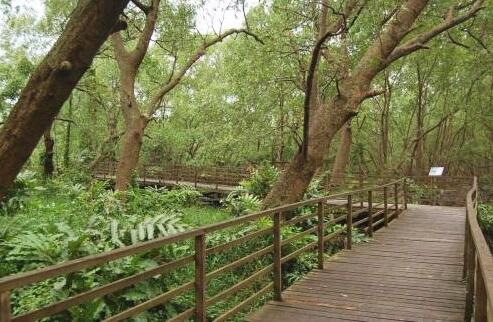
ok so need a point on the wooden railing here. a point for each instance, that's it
(158, 174)
(381, 204)
(424, 190)
(478, 264)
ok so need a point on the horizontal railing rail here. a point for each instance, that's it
(478, 264)
(380, 205)
(155, 174)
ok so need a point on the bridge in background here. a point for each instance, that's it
(221, 180)
(209, 179)
(422, 263)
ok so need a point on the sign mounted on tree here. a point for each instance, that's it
(436, 171)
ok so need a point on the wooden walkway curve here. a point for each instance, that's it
(410, 271)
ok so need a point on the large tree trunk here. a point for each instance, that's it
(293, 181)
(49, 143)
(52, 82)
(129, 156)
(327, 119)
(342, 156)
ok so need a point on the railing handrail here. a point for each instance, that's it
(22, 279)
(482, 252)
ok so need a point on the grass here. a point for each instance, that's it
(203, 215)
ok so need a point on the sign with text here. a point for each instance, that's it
(436, 171)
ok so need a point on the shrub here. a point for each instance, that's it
(239, 204)
(260, 183)
(485, 218)
(17, 195)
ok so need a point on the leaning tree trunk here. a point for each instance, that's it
(49, 143)
(292, 184)
(342, 156)
(327, 119)
(129, 156)
(53, 81)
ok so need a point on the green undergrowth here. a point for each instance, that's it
(485, 218)
(50, 221)
(203, 215)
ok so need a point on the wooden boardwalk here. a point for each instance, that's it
(410, 271)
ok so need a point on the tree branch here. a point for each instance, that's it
(420, 41)
(175, 80)
(443, 119)
(325, 33)
(65, 120)
(477, 39)
(121, 52)
(140, 49)
(141, 6)
(373, 93)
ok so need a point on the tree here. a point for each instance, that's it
(52, 82)
(138, 114)
(327, 116)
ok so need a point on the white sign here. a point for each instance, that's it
(436, 171)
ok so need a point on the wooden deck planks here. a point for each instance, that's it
(410, 271)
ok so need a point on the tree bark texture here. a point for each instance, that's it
(53, 81)
(342, 157)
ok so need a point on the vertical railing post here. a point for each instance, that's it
(396, 199)
(470, 272)
(385, 206)
(349, 222)
(480, 298)
(5, 308)
(370, 213)
(405, 190)
(277, 258)
(200, 278)
(321, 234)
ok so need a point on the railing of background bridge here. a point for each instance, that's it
(381, 204)
(158, 174)
(478, 264)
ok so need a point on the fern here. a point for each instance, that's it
(241, 204)
(147, 229)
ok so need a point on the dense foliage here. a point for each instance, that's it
(238, 102)
(68, 217)
(243, 104)
(485, 218)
